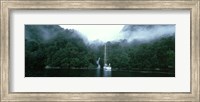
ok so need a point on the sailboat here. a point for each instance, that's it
(106, 66)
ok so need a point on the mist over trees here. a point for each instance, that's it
(52, 46)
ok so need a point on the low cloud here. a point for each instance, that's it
(146, 32)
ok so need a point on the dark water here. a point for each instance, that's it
(94, 73)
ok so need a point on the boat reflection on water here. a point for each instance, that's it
(103, 73)
(107, 73)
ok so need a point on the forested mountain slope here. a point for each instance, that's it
(53, 46)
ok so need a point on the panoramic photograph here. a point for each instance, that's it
(100, 50)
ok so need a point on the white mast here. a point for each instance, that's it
(106, 67)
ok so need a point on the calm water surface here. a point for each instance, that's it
(94, 73)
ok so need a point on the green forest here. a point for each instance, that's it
(50, 46)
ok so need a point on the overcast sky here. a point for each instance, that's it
(98, 32)
(115, 32)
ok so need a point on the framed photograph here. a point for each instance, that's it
(87, 50)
